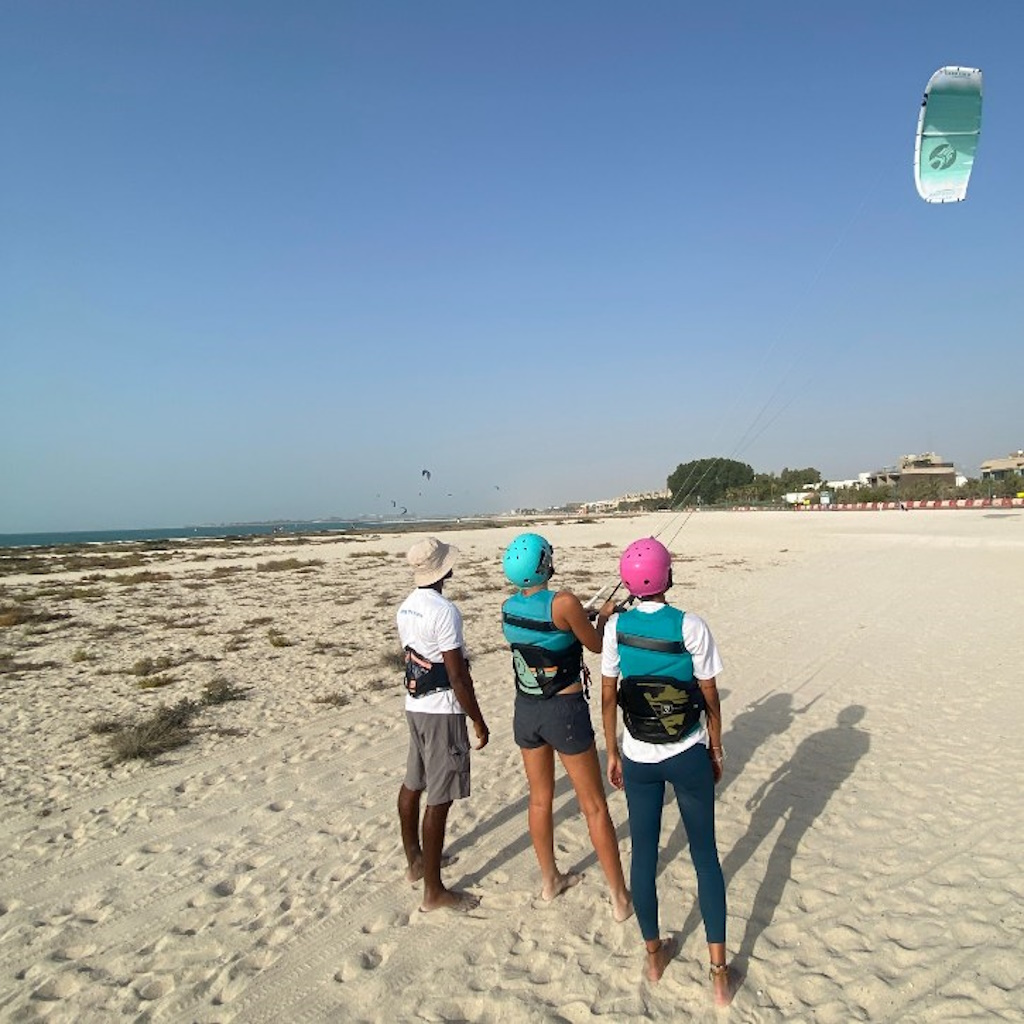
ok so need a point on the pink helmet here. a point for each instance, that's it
(645, 567)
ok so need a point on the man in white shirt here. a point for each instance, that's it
(439, 696)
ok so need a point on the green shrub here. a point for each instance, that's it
(278, 639)
(168, 728)
(220, 691)
(284, 564)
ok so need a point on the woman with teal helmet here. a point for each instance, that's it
(547, 631)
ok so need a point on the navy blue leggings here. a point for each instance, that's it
(694, 784)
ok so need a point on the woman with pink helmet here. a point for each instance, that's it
(659, 665)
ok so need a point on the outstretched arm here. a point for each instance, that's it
(568, 613)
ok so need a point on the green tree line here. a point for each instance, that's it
(721, 480)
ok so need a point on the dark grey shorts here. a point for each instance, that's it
(561, 722)
(438, 759)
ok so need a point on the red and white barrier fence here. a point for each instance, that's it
(877, 506)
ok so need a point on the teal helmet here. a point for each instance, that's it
(529, 560)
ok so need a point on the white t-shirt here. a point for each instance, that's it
(431, 624)
(707, 664)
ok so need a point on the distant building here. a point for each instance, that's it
(632, 499)
(915, 473)
(999, 469)
(843, 485)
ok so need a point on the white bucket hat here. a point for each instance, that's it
(431, 560)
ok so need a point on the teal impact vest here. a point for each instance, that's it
(660, 698)
(545, 659)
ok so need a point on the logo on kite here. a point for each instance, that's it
(942, 157)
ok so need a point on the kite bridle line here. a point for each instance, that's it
(753, 431)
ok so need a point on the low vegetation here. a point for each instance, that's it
(155, 682)
(393, 660)
(167, 728)
(285, 564)
(336, 700)
(221, 691)
(25, 614)
(10, 666)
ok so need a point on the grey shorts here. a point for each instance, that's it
(561, 722)
(438, 756)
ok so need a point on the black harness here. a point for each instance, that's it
(540, 673)
(659, 709)
(422, 676)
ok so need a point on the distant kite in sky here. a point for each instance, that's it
(426, 473)
(948, 129)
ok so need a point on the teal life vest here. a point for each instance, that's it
(660, 698)
(545, 659)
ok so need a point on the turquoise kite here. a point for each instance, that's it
(947, 134)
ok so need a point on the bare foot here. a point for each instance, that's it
(414, 872)
(451, 899)
(559, 884)
(657, 961)
(725, 983)
(622, 907)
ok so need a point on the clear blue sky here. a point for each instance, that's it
(266, 260)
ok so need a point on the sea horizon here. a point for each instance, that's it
(59, 538)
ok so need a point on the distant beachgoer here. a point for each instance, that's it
(547, 632)
(439, 695)
(668, 662)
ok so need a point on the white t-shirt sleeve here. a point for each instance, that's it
(701, 644)
(610, 648)
(448, 628)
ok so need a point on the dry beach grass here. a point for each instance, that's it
(868, 822)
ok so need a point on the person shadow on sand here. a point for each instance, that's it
(768, 716)
(796, 794)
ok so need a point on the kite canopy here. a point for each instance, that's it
(947, 134)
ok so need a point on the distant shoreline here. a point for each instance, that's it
(256, 531)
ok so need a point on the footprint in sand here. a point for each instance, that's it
(379, 924)
(371, 959)
(279, 805)
(230, 886)
(154, 987)
(54, 989)
(74, 951)
(347, 972)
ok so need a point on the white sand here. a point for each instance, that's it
(869, 822)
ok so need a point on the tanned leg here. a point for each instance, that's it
(584, 771)
(435, 895)
(540, 774)
(409, 816)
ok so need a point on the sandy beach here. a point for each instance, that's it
(869, 820)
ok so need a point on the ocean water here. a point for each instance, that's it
(17, 540)
(184, 533)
